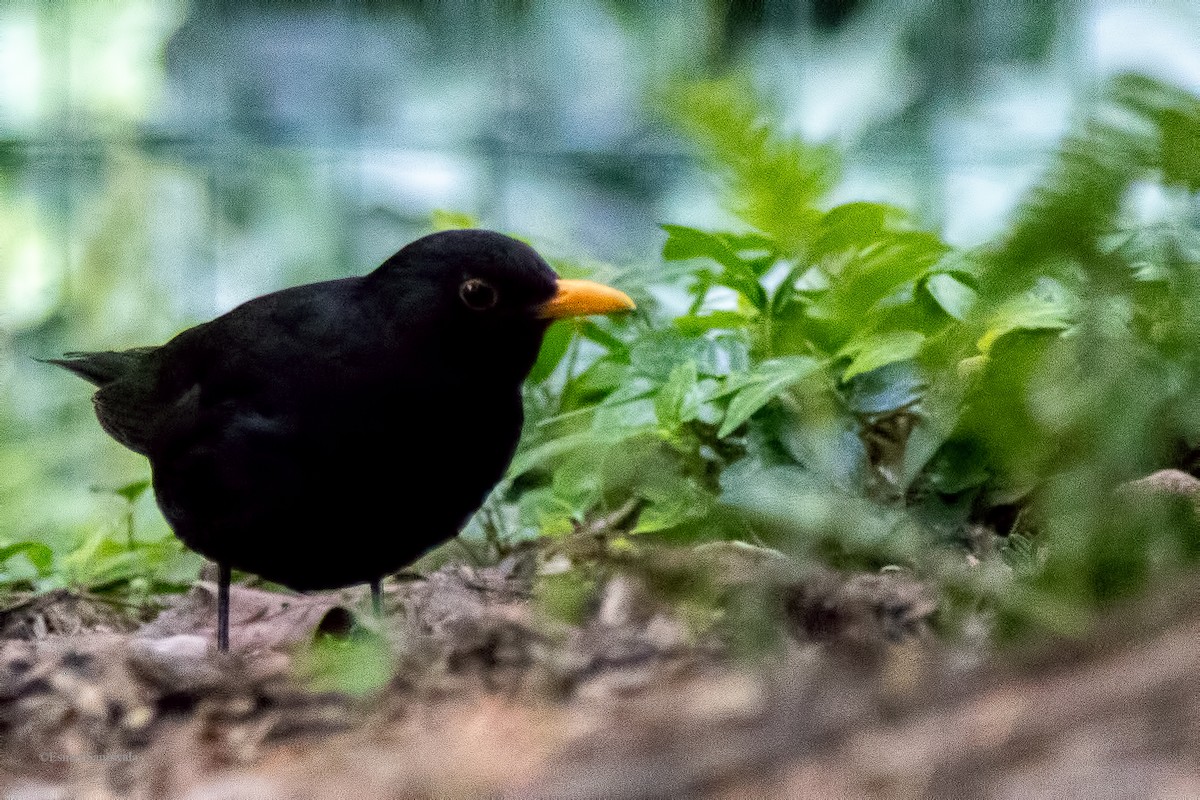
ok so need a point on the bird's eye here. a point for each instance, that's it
(477, 295)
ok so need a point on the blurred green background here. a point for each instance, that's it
(161, 162)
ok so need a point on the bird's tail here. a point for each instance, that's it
(102, 367)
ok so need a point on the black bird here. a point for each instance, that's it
(330, 433)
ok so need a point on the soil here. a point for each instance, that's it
(638, 695)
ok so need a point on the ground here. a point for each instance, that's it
(485, 693)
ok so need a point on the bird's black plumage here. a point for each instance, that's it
(328, 434)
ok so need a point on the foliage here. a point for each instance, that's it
(846, 386)
(357, 664)
(112, 556)
(843, 385)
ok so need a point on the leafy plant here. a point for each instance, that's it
(821, 299)
(849, 387)
(111, 556)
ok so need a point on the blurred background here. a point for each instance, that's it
(162, 161)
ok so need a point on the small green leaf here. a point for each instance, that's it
(358, 665)
(883, 266)
(554, 347)
(878, 350)
(132, 491)
(600, 378)
(755, 389)
(788, 288)
(590, 330)
(677, 401)
(655, 353)
(744, 257)
(1027, 313)
(540, 512)
(547, 452)
(684, 242)
(41, 556)
(885, 389)
(850, 226)
(954, 296)
(577, 483)
(696, 324)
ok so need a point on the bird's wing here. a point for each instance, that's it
(146, 403)
(245, 373)
(248, 374)
(136, 399)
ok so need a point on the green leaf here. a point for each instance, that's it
(724, 248)
(101, 561)
(851, 226)
(1176, 114)
(873, 351)
(554, 347)
(1027, 313)
(757, 388)
(540, 512)
(593, 332)
(878, 350)
(41, 556)
(958, 466)
(577, 482)
(740, 272)
(883, 274)
(547, 452)
(626, 415)
(358, 665)
(646, 467)
(600, 378)
(884, 265)
(885, 389)
(789, 288)
(132, 491)
(1139, 128)
(696, 324)
(678, 401)
(951, 294)
(655, 353)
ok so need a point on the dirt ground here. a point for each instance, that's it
(486, 695)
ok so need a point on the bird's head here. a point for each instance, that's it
(491, 293)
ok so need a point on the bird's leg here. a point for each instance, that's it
(377, 597)
(223, 575)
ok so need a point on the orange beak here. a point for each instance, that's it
(577, 298)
